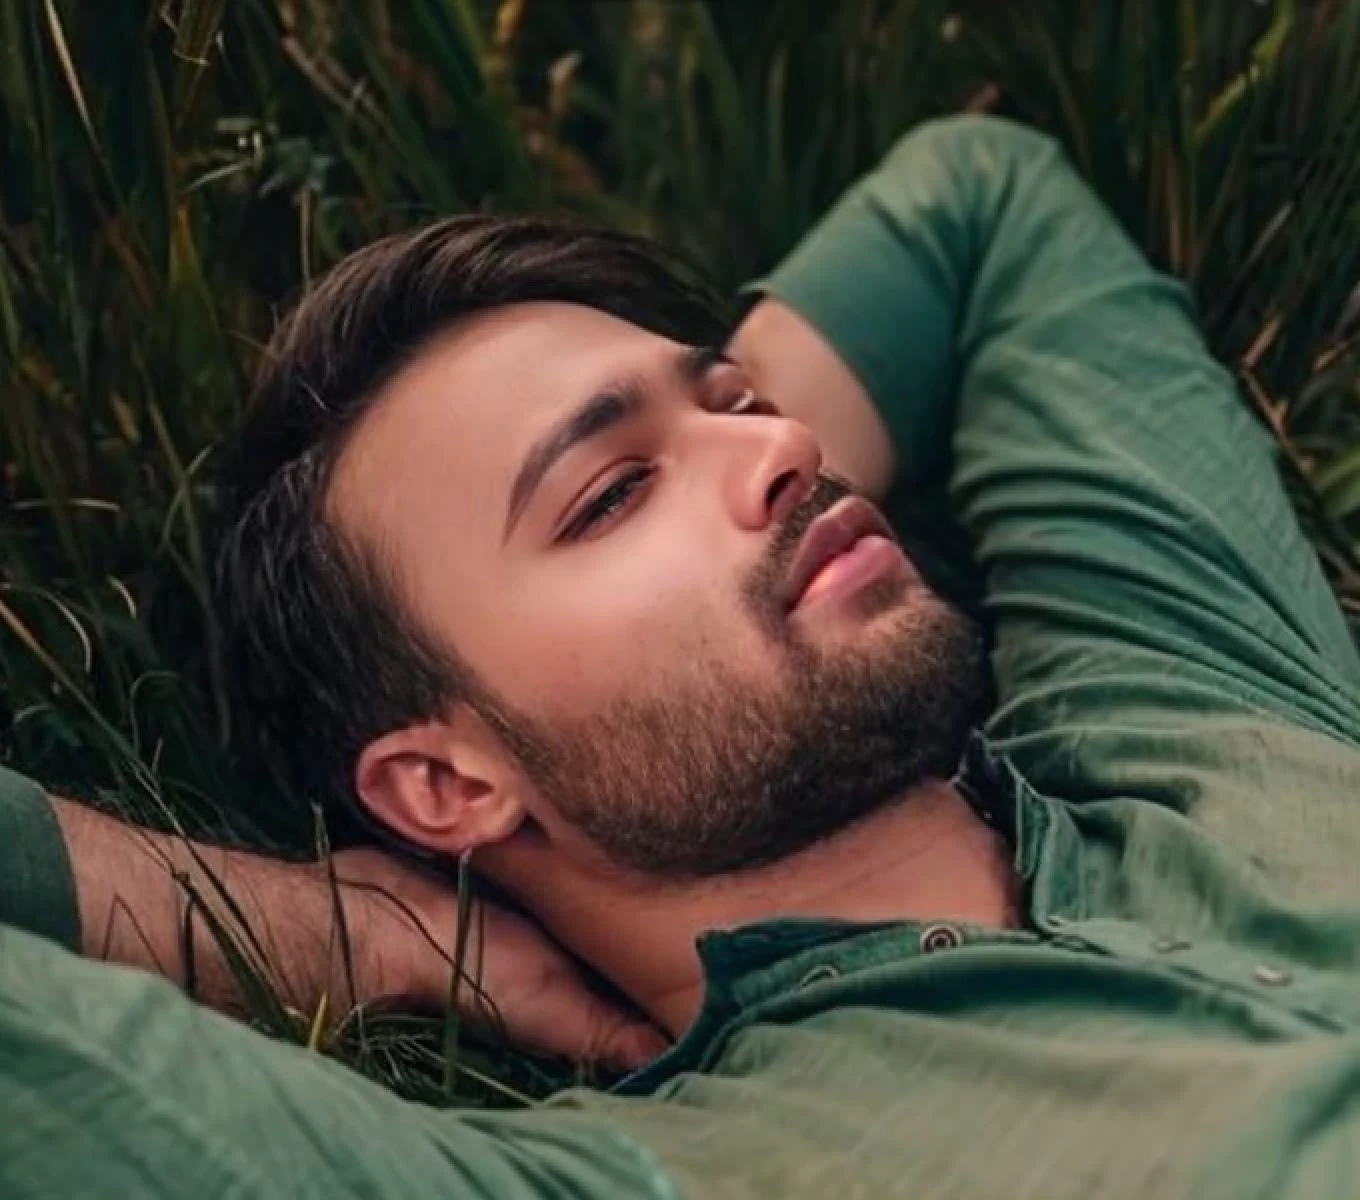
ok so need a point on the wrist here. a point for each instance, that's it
(400, 928)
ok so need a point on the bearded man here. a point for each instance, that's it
(1027, 876)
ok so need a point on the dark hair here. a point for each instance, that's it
(320, 652)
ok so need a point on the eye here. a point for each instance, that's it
(747, 403)
(614, 499)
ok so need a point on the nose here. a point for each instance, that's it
(771, 472)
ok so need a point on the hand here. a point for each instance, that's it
(403, 924)
(132, 886)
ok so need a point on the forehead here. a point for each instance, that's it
(449, 430)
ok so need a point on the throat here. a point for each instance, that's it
(926, 857)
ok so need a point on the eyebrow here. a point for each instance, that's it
(604, 410)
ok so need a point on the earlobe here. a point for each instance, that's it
(432, 789)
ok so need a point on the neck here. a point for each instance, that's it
(929, 857)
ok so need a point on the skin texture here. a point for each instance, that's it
(655, 746)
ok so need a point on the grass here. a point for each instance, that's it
(173, 172)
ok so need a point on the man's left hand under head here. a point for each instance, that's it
(402, 924)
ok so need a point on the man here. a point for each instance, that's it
(520, 571)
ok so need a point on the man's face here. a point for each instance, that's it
(606, 526)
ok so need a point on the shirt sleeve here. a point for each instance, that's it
(37, 888)
(1142, 565)
(112, 1083)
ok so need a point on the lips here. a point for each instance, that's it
(831, 534)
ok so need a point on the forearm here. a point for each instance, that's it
(205, 917)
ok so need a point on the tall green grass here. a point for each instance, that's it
(173, 171)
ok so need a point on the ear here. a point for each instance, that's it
(445, 784)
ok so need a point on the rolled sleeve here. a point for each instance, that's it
(37, 888)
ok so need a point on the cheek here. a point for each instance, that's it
(587, 627)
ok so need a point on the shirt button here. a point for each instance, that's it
(819, 974)
(940, 937)
(1272, 976)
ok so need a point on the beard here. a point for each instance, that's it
(716, 776)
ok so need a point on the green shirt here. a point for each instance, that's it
(1175, 755)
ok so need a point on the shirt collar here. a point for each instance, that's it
(754, 963)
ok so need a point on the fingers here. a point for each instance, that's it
(624, 1043)
(570, 1020)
